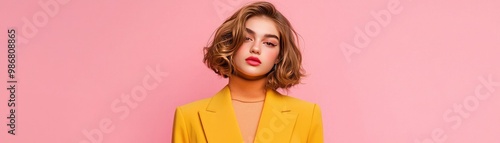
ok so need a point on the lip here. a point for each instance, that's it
(253, 61)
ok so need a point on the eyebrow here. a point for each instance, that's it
(265, 35)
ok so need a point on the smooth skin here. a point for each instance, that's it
(262, 41)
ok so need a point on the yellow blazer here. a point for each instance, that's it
(283, 119)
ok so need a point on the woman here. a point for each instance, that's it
(256, 49)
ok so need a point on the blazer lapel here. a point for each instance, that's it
(219, 121)
(277, 121)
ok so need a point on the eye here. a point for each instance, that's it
(270, 44)
(248, 39)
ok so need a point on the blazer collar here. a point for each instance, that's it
(220, 123)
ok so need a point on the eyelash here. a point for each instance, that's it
(247, 38)
(267, 43)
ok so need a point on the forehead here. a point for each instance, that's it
(262, 25)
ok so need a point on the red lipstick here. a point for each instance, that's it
(253, 61)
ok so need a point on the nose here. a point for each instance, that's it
(255, 49)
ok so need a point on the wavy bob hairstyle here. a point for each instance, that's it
(229, 37)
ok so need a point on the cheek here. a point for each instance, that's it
(242, 50)
(272, 54)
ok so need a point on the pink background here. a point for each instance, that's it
(77, 60)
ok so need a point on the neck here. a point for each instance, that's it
(247, 90)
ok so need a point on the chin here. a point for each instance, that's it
(251, 75)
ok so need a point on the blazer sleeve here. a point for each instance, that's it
(316, 131)
(179, 131)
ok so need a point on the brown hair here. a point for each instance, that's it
(229, 37)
